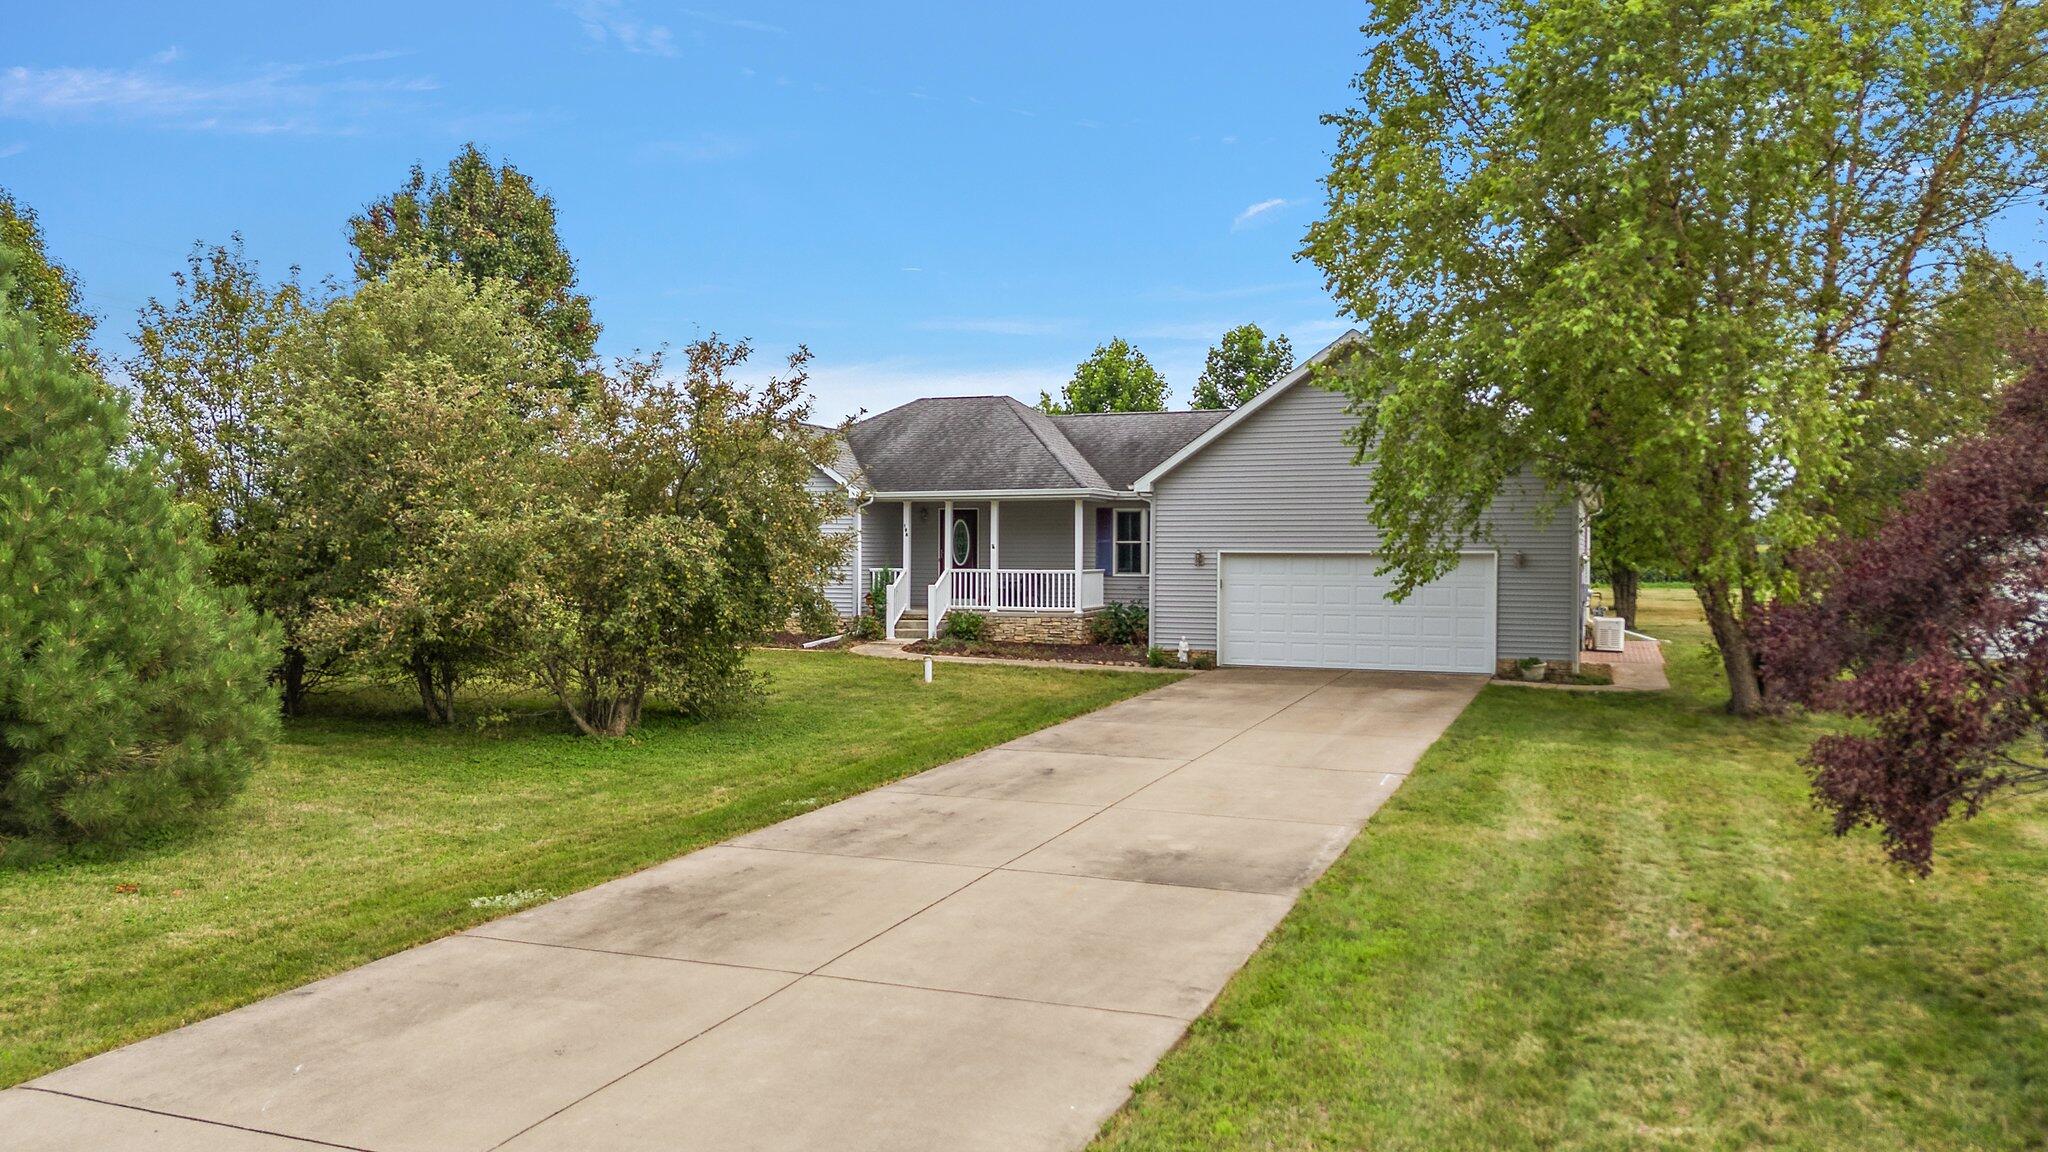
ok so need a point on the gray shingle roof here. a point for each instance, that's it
(999, 444)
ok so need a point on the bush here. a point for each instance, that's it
(1204, 660)
(1158, 657)
(132, 691)
(864, 627)
(966, 626)
(1119, 622)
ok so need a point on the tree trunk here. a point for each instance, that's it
(436, 683)
(291, 678)
(1626, 580)
(1745, 690)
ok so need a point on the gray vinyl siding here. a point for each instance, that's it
(1283, 480)
(839, 591)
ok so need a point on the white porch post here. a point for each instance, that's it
(906, 538)
(946, 541)
(995, 555)
(1077, 557)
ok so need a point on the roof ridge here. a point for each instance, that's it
(1030, 424)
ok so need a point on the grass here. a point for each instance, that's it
(1599, 921)
(370, 832)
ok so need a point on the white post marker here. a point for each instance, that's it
(927, 669)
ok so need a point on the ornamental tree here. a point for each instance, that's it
(1932, 633)
(1665, 252)
(677, 527)
(132, 691)
(409, 452)
(1241, 365)
(1116, 377)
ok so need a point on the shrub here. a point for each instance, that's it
(1202, 660)
(966, 626)
(1119, 622)
(1158, 657)
(132, 691)
(867, 626)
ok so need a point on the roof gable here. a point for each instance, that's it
(1238, 415)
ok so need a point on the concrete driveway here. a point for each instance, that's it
(985, 956)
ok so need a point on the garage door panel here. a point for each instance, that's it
(1331, 611)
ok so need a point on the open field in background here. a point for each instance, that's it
(1616, 922)
(371, 832)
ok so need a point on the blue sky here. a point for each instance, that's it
(938, 198)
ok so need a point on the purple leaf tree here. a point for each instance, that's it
(1931, 634)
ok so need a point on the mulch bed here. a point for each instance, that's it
(1117, 654)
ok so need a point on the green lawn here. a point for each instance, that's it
(371, 832)
(1603, 921)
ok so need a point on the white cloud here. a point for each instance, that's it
(272, 98)
(739, 22)
(612, 23)
(1253, 213)
(169, 55)
(996, 326)
(14, 149)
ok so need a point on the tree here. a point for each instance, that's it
(1114, 378)
(209, 402)
(43, 287)
(1932, 632)
(408, 457)
(1241, 365)
(1667, 253)
(490, 222)
(131, 691)
(676, 530)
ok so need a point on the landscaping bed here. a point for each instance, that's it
(1126, 655)
(798, 640)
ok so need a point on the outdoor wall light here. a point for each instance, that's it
(924, 515)
(1521, 559)
(1201, 559)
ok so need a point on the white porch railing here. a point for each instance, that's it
(1014, 590)
(938, 602)
(898, 599)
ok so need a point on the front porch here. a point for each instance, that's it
(950, 555)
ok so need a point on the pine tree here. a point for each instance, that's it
(132, 691)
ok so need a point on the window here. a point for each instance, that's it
(1130, 541)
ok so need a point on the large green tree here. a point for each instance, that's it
(45, 288)
(1241, 365)
(210, 403)
(1116, 377)
(1669, 253)
(490, 222)
(132, 691)
(408, 456)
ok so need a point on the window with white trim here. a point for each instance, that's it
(1130, 542)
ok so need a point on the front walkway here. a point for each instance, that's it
(985, 956)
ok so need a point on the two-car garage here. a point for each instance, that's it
(1329, 610)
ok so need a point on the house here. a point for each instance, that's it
(1243, 532)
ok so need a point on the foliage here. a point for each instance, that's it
(1241, 365)
(866, 626)
(1586, 922)
(965, 626)
(370, 832)
(209, 403)
(1119, 622)
(131, 691)
(44, 288)
(1666, 252)
(1933, 632)
(1158, 657)
(489, 222)
(1528, 663)
(678, 526)
(409, 457)
(1116, 377)
(1203, 660)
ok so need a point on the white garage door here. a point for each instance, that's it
(1330, 611)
